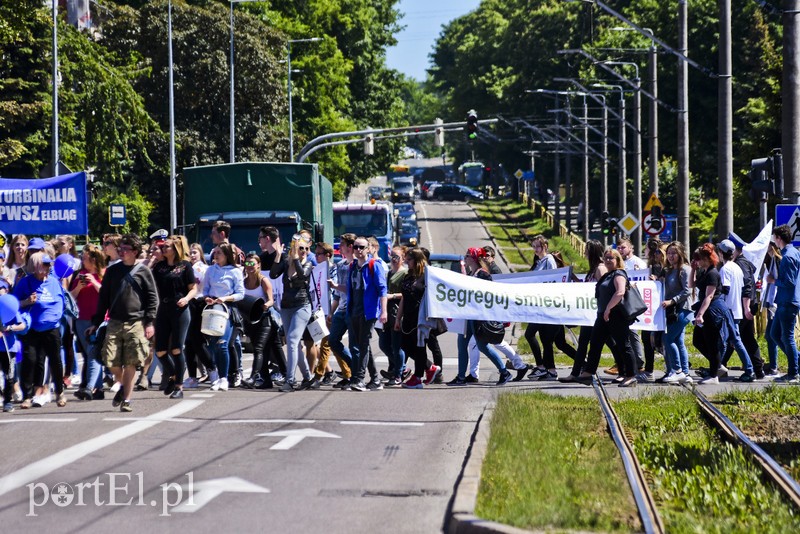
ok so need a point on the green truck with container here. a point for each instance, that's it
(248, 195)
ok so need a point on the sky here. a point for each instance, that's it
(423, 21)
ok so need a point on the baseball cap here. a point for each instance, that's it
(726, 246)
(47, 259)
(737, 241)
(37, 243)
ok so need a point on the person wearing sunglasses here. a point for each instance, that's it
(131, 303)
(611, 326)
(366, 304)
(110, 243)
(177, 287)
(295, 270)
(263, 333)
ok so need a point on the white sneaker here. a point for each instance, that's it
(215, 385)
(115, 387)
(722, 372)
(190, 383)
(674, 378)
(223, 384)
(75, 380)
(709, 380)
(41, 400)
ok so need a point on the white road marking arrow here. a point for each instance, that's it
(293, 437)
(204, 492)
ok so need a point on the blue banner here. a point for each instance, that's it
(44, 207)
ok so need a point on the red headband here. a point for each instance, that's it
(476, 253)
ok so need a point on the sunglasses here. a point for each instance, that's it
(395, 257)
(303, 248)
(125, 248)
(164, 247)
(249, 264)
(359, 247)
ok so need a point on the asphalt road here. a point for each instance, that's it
(248, 461)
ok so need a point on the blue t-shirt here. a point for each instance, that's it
(48, 309)
(10, 346)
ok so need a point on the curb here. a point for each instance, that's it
(462, 518)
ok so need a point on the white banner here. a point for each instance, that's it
(757, 250)
(564, 274)
(319, 287)
(453, 295)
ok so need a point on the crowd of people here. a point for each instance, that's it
(129, 307)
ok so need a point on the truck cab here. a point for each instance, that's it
(366, 219)
(245, 226)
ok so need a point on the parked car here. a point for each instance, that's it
(456, 192)
(409, 234)
(432, 189)
(374, 192)
(425, 188)
(405, 210)
(403, 190)
(451, 262)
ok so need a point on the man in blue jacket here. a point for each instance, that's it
(366, 304)
(787, 300)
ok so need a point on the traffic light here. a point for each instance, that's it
(472, 124)
(766, 176)
(613, 226)
(438, 133)
(604, 223)
(487, 175)
(369, 145)
(655, 218)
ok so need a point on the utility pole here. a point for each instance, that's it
(725, 126)
(683, 125)
(653, 120)
(791, 100)
(585, 201)
(55, 140)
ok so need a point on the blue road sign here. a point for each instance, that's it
(116, 215)
(789, 214)
(527, 176)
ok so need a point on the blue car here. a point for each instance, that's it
(409, 234)
(405, 210)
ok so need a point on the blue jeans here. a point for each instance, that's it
(463, 352)
(337, 330)
(295, 321)
(783, 332)
(218, 348)
(772, 343)
(677, 359)
(94, 374)
(389, 342)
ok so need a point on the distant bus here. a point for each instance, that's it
(470, 173)
(396, 171)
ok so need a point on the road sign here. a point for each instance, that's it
(528, 176)
(518, 174)
(629, 223)
(653, 225)
(116, 215)
(653, 201)
(789, 214)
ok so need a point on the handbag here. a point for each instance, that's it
(632, 303)
(317, 327)
(491, 332)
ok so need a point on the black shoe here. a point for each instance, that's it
(344, 383)
(170, 387)
(521, 373)
(308, 383)
(327, 380)
(98, 394)
(386, 374)
(287, 387)
(118, 398)
(471, 380)
(83, 394)
(249, 383)
(406, 374)
(505, 376)
(176, 394)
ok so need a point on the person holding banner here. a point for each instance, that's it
(40, 294)
(787, 300)
(597, 269)
(477, 266)
(611, 326)
(548, 334)
(412, 289)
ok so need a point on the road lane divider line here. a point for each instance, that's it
(64, 457)
(202, 395)
(380, 423)
(165, 419)
(427, 228)
(38, 420)
(239, 421)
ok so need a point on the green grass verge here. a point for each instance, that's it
(771, 418)
(701, 483)
(551, 465)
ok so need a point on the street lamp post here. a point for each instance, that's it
(173, 192)
(622, 187)
(289, 69)
(55, 140)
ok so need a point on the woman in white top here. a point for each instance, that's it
(223, 284)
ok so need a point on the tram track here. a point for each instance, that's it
(774, 471)
(645, 503)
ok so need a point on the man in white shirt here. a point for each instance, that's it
(732, 280)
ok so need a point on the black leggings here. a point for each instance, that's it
(530, 337)
(554, 335)
(433, 345)
(195, 351)
(38, 347)
(615, 333)
(264, 337)
(418, 354)
(7, 365)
